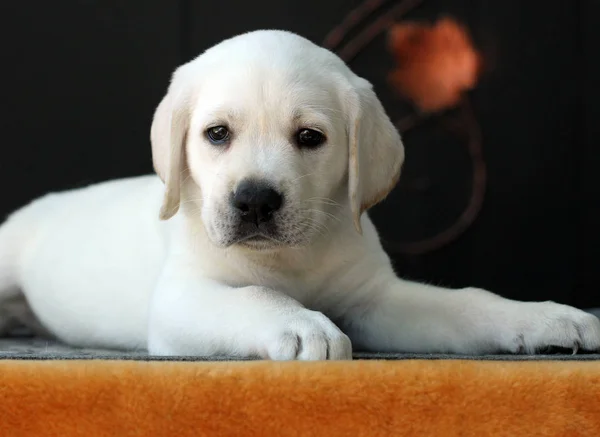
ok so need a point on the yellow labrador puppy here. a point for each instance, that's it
(253, 240)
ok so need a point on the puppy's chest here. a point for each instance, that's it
(304, 285)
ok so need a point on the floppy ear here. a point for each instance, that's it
(168, 136)
(376, 152)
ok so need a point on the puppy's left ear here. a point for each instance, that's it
(376, 152)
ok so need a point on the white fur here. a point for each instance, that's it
(98, 267)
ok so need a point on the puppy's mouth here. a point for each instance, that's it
(257, 240)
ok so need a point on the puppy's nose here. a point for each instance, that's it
(256, 201)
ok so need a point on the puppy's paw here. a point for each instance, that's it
(542, 326)
(306, 335)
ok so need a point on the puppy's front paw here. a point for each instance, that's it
(306, 335)
(546, 325)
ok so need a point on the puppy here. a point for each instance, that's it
(254, 240)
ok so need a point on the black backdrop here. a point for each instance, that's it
(81, 78)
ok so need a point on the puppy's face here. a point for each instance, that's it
(267, 149)
(280, 139)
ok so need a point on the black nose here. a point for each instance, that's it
(256, 201)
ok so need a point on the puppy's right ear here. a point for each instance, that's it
(168, 135)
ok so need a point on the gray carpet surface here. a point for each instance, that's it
(26, 348)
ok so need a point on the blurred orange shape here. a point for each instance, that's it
(436, 63)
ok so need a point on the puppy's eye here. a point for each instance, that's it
(218, 134)
(309, 138)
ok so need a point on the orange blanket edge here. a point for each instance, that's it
(359, 398)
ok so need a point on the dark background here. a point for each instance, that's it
(81, 79)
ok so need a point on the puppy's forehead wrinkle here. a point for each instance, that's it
(313, 117)
(224, 115)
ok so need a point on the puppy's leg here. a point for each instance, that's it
(9, 289)
(191, 315)
(402, 316)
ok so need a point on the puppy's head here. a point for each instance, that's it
(271, 139)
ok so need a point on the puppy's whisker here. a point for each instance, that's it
(303, 176)
(324, 199)
(312, 224)
(325, 213)
(318, 202)
(335, 210)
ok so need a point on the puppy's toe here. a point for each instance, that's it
(314, 347)
(285, 347)
(308, 335)
(553, 326)
(588, 328)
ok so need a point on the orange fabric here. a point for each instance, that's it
(368, 398)
(436, 63)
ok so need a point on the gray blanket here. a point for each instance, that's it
(25, 348)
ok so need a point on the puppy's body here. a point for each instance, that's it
(89, 259)
(106, 300)
(268, 151)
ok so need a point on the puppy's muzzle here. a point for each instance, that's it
(256, 202)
